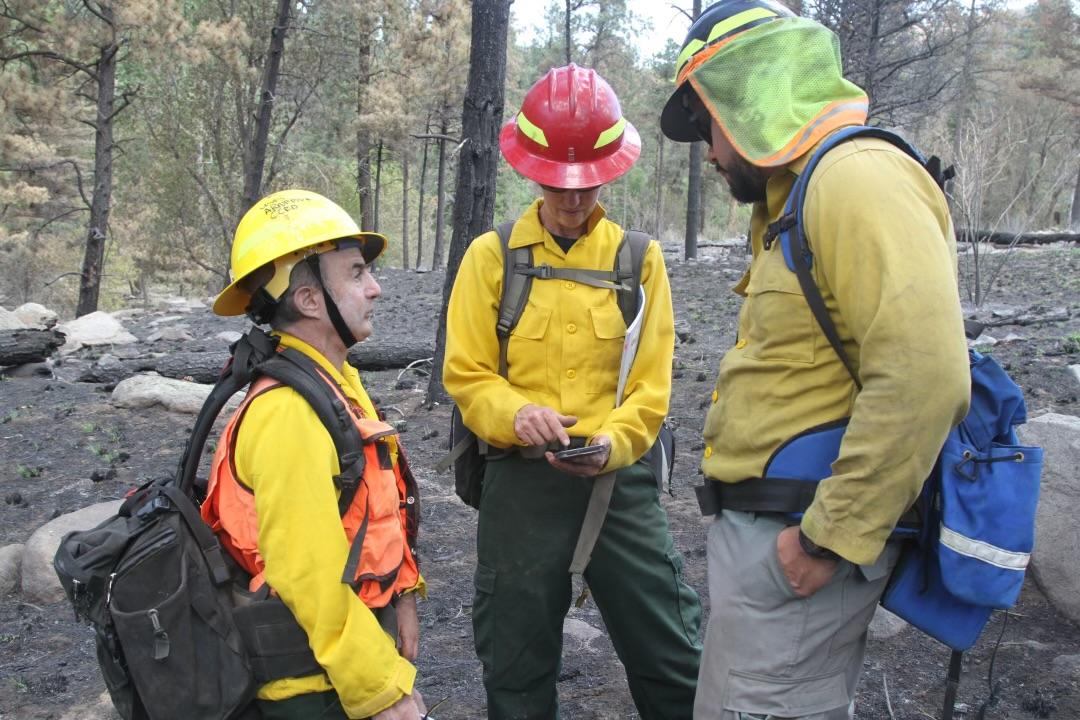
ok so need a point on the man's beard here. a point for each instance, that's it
(746, 182)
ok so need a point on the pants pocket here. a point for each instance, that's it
(785, 697)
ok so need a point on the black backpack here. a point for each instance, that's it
(178, 636)
(468, 453)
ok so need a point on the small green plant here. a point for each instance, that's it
(8, 638)
(87, 427)
(21, 685)
(26, 472)
(984, 349)
(1071, 343)
(11, 415)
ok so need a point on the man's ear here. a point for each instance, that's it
(308, 301)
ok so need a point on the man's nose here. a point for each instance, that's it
(572, 198)
(374, 290)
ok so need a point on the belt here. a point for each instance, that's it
(768, 495)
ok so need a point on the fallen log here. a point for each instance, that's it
(1007, 238)
(21, 346)
(204, 367)
(374, 355)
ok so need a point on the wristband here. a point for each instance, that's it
(814, 550)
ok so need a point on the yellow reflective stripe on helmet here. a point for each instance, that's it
(738, 20)
(611, 134)
(720, 29)
(687, 52)
(531, 131)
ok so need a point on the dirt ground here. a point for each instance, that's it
(64, 447)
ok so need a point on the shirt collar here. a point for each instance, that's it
(347, 378)
(521, 238)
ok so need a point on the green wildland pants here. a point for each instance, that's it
(530, 515)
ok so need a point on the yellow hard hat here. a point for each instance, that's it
(284, 228)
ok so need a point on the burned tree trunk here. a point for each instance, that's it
(474, 198)
(255, 150)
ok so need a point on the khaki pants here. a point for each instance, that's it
(769, 653)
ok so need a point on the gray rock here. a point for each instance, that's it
(97, 328)
(140, 391)
(10, 560)
(1075, 371)
(165, 320)
(580, 630)
(35, 369)
(34, 315)
(100, 709)
(229, 336)
(10, 321)
(886, 624)
(39, 581)
(1067, 665)
(1057, 534)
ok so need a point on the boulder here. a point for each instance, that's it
(34, 315)
(170, 332)
(10, 321)
(99, 709)
(39, 581)
(1075, 372)
(229, 336)
(886, 624)
(141, 391)
(1057, 534)
(97, 328)
(10, 560)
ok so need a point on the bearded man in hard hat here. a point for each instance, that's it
(792, 594)
(557, 388)
(277, 496)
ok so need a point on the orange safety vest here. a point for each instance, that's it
(382, 518)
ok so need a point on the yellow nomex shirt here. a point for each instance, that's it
(565, 350)
(884, 257)
(286, 456)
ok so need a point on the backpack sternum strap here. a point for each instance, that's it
(604, 279)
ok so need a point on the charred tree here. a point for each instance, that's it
(474, 198)
(255, 148)
(693, 185)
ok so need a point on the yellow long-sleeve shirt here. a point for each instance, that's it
(885, 261)
(286, 456)
(564, 352)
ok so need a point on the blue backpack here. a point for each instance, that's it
(976, 512)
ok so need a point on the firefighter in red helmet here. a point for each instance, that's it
(547, 378)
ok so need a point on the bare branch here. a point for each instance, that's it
(88, 69)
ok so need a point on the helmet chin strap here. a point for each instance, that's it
(338, 322)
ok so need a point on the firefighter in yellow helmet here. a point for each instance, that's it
(816, 443)
(552, 381)
(301, 265)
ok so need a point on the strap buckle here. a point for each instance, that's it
(785, 223)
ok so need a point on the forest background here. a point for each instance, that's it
(133, 135)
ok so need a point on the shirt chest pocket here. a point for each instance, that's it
(602, 360)
(778, 323)
(526, 353)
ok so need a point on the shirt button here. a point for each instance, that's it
(571, 328)
(715, 395)
(740, 344)
(571, 373)
(570, 285)
(708, 451)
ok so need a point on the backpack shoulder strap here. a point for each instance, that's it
(792, 237)
(249, 351)
(298, 371)
(515, 289)
(628, 263)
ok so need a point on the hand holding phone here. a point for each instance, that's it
(574, 453)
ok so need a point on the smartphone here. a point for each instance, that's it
(579, 452)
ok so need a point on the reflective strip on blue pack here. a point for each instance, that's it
(984, 551)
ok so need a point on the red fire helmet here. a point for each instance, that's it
(570, 132)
